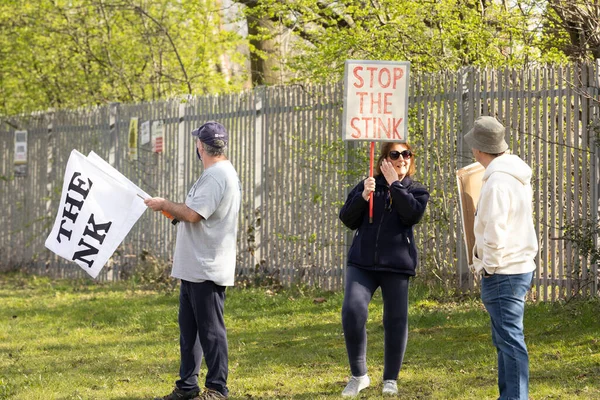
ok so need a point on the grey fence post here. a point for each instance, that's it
(181, 150)
(465, 109)
(114, 160)
(49, 175)
(259, 174)
(49, 168)
(113, 119)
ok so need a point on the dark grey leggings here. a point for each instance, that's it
(360, 287)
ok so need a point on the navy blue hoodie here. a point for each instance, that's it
(388, 243)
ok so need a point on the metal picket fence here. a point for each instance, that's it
(285, 143)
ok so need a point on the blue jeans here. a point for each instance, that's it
(504, 298)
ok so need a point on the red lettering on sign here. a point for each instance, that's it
(373, 114)
(356, 134)
(372, 76)
(376, 103)
(382, 127)
(397, 134)
(158, 145)
(385, 74)
(387, 102)
(376, 128)
(366, 120)
(355, 73)
(398, 74)
(361, 103)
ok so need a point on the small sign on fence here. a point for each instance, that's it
(20, 160)
(145, 133)
(133, 139)
(157, 136)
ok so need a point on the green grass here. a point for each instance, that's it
(83, 340)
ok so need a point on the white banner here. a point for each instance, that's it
(98, 208)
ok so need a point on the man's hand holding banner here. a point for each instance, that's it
(98, 208)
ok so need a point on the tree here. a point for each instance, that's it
(574, 28)
(59, 53)
(74, 53)
(433, 35)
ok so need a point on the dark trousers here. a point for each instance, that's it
(360, 286)
(202, 330)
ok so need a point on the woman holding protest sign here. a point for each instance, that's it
(383, 254)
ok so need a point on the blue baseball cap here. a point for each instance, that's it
(212, 133)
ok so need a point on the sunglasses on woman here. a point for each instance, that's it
(394, 154)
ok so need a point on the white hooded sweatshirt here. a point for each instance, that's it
(505, 239)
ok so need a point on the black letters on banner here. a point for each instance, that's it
(92, 230)
(78, 188)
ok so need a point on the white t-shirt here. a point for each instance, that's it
(206, 250)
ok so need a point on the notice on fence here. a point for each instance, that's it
(376, 101)
(98, 208)
(20, 159)
(133, 139)
(469, 180)
(145, 133)
(157, 136)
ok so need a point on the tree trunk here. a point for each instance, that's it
(266, 54)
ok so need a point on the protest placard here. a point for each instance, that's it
(376, 100)
(97, 209)
(375, 104)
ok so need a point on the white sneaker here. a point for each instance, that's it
(355, 385)
(390, 387)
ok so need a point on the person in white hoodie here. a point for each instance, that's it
(504, 252)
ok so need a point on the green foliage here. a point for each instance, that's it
(432, 35)
(582, 233)
(260, 276)
(345, 159)
(152, 272)
(84, 340)
(570, 26)
(63, 54)
(68, 54)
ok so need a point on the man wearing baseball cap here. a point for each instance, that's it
(504, 252)
(204, 261)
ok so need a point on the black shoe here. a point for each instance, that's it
(178, 394)
(210, 394)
